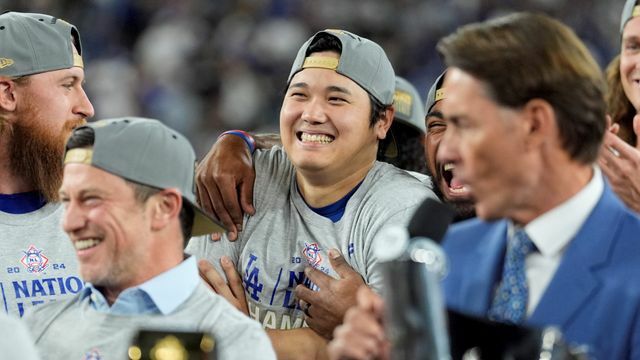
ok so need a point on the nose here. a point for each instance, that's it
(73, 219)
(314, 112)
(83, 106)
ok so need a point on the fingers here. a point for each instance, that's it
(610, 161)
(246, 194)
(305, 294)
(318, 277)
(233, 278)
(214, 279)
(351, 347)
(204, 198)
(340, 265)
(360, 337)
(615, 128)
(623, 149)
(370, 301)
(223, 215)
(305, 307)
(230, 200)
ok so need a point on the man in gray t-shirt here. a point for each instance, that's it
(42, 72)
(323, 190)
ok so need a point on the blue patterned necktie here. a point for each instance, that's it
(510, 300)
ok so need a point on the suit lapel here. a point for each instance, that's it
(575, 280)
(483, 268)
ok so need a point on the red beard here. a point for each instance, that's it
(35, 154)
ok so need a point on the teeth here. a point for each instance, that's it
(449, 167)
(85, 244)
(316, 138)
(463, 189)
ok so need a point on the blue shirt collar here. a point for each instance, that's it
(161, 294)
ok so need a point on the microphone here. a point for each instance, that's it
(431, 220)
(412, 265)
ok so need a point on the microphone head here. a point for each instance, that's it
(431, 220)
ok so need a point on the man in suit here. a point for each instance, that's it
(552, 245)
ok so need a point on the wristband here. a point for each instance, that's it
(248, 139)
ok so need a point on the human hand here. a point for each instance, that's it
(362, 334)
(326, 307)
(224, 180)
(620, 162)
(232, 291)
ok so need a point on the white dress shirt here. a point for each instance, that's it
(552, 232)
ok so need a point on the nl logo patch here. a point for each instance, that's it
(34, 260)
(312, 253)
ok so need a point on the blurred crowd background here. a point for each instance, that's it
(205, 66)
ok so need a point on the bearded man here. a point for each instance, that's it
(41, 101)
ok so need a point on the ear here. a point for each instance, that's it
(165, 208)
(540, 123)
(7, 94)
(384, 123)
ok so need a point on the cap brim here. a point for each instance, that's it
(203, 224)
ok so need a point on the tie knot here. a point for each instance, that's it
(521, 243)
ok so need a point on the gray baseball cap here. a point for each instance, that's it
(34, 43)
(361, 60)
(408, 105)
(436, 93)
(630, 10)
(147, 152)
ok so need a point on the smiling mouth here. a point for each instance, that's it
(314, 138)
(86, 243)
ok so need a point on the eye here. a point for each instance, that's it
(297, 95)
(91, 200)
(436, 125)
(337, 99)
(631, 46)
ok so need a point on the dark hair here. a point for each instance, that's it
(525, 56)
(327, 42)
(85, 137)
(410, 144)
(618, 105)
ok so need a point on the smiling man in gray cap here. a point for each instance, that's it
(321, 196)
(129, 201)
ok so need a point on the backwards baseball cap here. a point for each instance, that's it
(436, 93)
(408, 105)
(146, 152)
(630, 10)
(361, 60)
(34, 43)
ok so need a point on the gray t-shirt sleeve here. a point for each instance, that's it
(272, 168)
(374, 278)
(404, 204)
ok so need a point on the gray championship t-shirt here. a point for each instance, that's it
(285, 235)
(37, 260)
